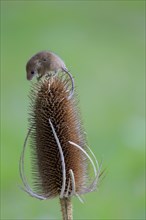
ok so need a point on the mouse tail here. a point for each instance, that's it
(72, 81)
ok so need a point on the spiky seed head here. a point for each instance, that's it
(49, 101)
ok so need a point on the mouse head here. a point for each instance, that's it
(32, 67)
(37, 64)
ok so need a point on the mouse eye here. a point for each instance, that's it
(44, 60)
(32, 72)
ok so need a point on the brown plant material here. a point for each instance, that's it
(66, 208)
(50, 101)
(60, 158)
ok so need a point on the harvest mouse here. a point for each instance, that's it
(46, 63)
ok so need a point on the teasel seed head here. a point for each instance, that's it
(59, 152)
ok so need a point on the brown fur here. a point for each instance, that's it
(44, 63)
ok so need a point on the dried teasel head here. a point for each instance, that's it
(60, 155)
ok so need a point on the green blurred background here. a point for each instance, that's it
(102, 43)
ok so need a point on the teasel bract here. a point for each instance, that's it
(59, 152)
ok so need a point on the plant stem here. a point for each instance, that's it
(66, 209)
